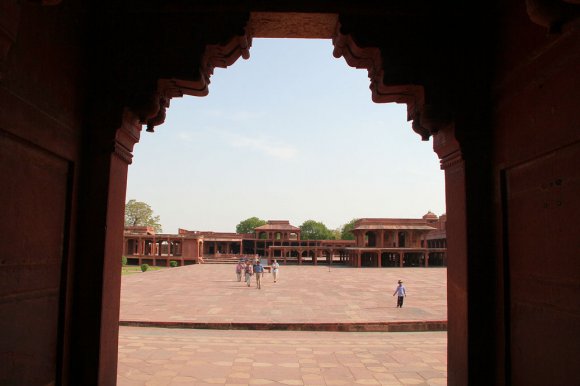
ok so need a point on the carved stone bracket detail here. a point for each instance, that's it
(215, 55)
(447, 148)
(426, 119)
(225, 55)
(127, 136)
(451, 160)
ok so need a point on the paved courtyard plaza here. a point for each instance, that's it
(208, 294)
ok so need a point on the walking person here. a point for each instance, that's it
(275, 269)
(249, 272)
(258, 271)
(401, 293)
(239, 269)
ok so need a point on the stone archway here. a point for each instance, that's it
(493, 89)
(176, 67)
(427, 121)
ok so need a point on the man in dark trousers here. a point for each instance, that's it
(258, 271)
(400, 292)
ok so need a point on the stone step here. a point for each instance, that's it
(393, 326)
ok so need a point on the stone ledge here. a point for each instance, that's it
(410, 326)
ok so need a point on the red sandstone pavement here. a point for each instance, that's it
(177, 357)
(205, 294)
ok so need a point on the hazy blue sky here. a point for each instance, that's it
(290, 134)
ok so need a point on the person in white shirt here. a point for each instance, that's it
(275, 270)
(401, 293)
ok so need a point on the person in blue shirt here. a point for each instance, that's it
(258, 271)
(401, 293)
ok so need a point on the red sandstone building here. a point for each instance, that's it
(378, 243)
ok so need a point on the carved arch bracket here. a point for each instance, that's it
(126, 137)
(215, 55)
(427, 120)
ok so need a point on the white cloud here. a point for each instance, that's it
(262, 145)
(184, 136)
(236, 116)
(245, 115)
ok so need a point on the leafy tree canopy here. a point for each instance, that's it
(138, 213)
(336, 233)
(248, 225)
(346, 232)
(313, 230)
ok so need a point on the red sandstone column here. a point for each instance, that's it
(93, 322)
(401, 258)
(448, 150)
(379, 262)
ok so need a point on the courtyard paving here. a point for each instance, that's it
(209, 294)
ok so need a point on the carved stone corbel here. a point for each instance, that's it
(127, 136)
(427, 120)
(159, 118)
(215, 55)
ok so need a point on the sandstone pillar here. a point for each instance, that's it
(94, 318)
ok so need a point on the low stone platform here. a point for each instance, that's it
(304, 298)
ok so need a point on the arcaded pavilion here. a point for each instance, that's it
(399, 242)
(379, 242)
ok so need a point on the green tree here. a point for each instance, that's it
(313, 230)
(248, 225)
(138, 213)
(346, 232)
(336, 233)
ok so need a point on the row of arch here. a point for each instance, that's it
(146, 247)
(277, 235)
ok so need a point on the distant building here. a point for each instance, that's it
(379, 242)
(396, 242)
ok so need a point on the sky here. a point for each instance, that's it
(289, 134)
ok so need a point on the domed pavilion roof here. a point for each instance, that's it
(430, 216)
